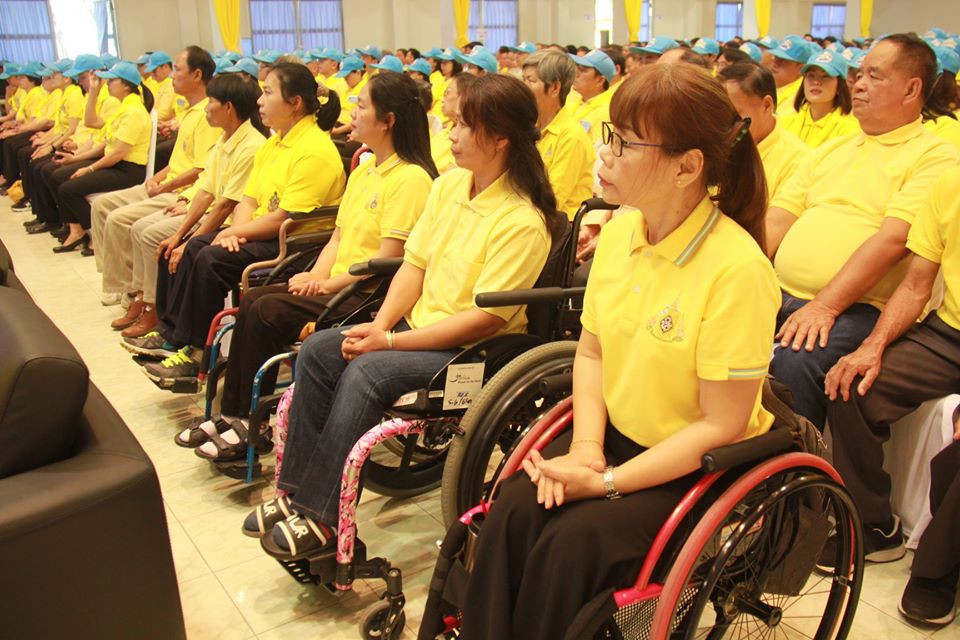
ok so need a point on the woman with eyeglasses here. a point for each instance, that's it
(667, 283)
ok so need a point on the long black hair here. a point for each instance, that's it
(398, 94)
(296, 80)
(242, 93)
(501, 106)
(143, 91)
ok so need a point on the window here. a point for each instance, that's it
(493, 22)
(729, 20)
(286, 25)
(603, 18)
(84, 26)
(26, 31)
(828, 20)
(646, 12)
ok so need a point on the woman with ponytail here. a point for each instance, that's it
(486, 227)
(297, 169)
(677, 325)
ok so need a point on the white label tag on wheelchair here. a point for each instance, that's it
(463, 384)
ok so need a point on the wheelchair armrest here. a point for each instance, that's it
(376, 267)
(308, 240)
(344, 294)
(751, 449)
(543, 295)
(316, 214)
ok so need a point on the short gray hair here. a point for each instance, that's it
(552, 67)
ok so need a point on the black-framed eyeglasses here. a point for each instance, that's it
(616, 142)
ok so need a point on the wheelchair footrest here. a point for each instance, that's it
(300, 570)
(237, 469)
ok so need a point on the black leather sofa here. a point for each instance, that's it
(84, 547)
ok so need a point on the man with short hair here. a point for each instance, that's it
(837, 230)
(788, 60)
(595, 73)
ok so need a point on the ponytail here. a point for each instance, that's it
(328, 112)
(296, 81)
(742, 192)
(141, 89)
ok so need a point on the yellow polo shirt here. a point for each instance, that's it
(180, 105)
(813, 133)
(496, 241)
(50, 106)
(781, 153)
(672, 314)
(16, 100)
(72, 103)
(568, 156)
(349, 100)
(32, 104)
(935, 235)
(163, 97)
(438, 85)
(380, 202)
(334, 84)
(786, 96)
(230, 163)
(195, 139)
(297, 172)
(946, 128)
(440, 149)
(130, 124)
(592, 113)
(106, 105)
(841, 194)
(151, 83)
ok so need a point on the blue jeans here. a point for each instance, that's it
(335, 403)
(804, 371)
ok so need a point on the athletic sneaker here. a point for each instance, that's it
(153, 344)
(931, 601)
(110, 299)
(179, 365)
(22, 205)
(881, 543)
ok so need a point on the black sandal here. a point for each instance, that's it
(260, 521)
(227, 451)
(297, 537)
(196, 436)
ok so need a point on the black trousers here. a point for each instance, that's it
(269, 321)
(188, 300)
(72, 194)
(535, 569)
(33, 176)
(45, 205)
(922, 365)
(11, 147)
(161, 156)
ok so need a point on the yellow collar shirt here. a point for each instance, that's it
(496, 241)
(671, 314)
(935, 236)
(50, 106)
(568, 155)
(16, 100)
(841, 194)
(195, 139)
(151, 83)
(32, 104)
(106, 106)
(591, 113)
(297, 172)
(230, 163)
(786, 96)
(349, 100)
(380, 202)
(946, 128)
(813, 133)
(164, 97)
(441, 149)
(781, 153)
(130, 124)
(334, 83)
(71, 106)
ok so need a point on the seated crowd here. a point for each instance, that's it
(800, 196)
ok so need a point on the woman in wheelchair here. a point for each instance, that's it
(297, 169)
(487, 226)
(383, 200)
(677, 324)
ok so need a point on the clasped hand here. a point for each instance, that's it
(307, 284)
(575, 476)
(362, 339)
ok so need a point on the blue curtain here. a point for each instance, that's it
(273, 25)
(25, 31)
(101, 16)
(321, 24)
(828, 20)
(729, 20)
(499, 22)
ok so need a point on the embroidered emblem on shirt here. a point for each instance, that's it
(373, 203)
(667, 324)
(274, 202)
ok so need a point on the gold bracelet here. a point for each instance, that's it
(391, 340)
(582, 440)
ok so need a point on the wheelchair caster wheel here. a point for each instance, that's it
(377, 624)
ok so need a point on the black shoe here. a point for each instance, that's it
(30, 222)
(878, 546)
(931, 601)
(22, 205)
(65, 248)
(60, 233)
(38, 227)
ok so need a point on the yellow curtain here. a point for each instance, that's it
(228, 19)
(763, 17)
(866, 17)
(461, 20)
(632, 10)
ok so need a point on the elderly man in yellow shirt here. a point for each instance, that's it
(788, 59)
(837, 230)
(595, 74)
(564, 146)
(114, 213)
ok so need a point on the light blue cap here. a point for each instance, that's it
(479, 57)
(326, 53)
(420, 65)
(221, 64)
(84, 62)
(706, 47)
(143, 59)
(768, 42)
(524, 47)
(831, 62)
(350, 64)
(953, 42)
(656, 46)
(446, 54)
(107, 60)
(434, 52)
(33, 69)
(232, 56)
(157, 60)
(267, 56)
(46, 71)
(123, 70)
(752, 50)
(814, 47)
(300, 53)
(598, 60)
(389, 63)
(62, 65)
(853, 56)
(248, 66)
(835, 46)
(793, 48)
(948, 59)
(372, 50)
(9, 70)
(936, 32)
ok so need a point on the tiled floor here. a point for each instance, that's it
(228, 586)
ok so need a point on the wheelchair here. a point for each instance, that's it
(735, 558)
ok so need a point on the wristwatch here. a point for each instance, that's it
(608, 486)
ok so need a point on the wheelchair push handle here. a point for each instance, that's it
(376, 267)
(542, 295)
(751, 449)
(592, 204)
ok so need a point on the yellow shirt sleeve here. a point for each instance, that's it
(792, 196)
(74, 104)
(164, 101)
(405, 196)
(917, 183)
(570, 172)
(926, 238)
(417, 249)
(130, 129)
(237, 175)
(310, 179)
